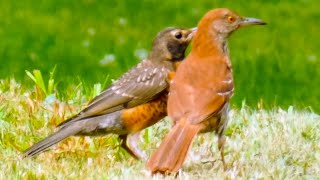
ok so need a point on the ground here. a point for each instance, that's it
(267, 144)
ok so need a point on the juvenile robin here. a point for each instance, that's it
(134, 102)
(200, 90)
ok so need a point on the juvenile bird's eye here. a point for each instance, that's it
(178, 35)
(231, 19)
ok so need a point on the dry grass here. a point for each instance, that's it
(276, 144)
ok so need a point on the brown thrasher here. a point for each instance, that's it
(200, 90)
(134, 102)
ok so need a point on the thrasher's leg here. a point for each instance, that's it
(221, 142)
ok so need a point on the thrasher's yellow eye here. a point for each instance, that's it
(231, 19)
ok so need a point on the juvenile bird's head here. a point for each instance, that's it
(171, 44)
(216, 26)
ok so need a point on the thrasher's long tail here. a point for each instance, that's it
(173, 150)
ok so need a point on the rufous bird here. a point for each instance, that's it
(200, 90)
(132, 103)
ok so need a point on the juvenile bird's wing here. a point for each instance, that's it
(139, 85)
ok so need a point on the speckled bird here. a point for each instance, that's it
(137, 100)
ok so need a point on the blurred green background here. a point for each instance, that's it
(90, 40)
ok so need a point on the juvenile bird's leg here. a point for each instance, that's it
(130, 144)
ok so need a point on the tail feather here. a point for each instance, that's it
(53, 139)
(92, 126)
(173, 150)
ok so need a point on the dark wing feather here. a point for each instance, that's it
(139, 85)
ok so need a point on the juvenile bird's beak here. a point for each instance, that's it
(251, 21)
(193, 32)
(194, 29)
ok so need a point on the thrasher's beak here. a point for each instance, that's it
(251, 21)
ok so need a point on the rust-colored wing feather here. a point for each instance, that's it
(196, 95)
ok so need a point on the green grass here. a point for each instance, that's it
(276, 64)
(274, 144)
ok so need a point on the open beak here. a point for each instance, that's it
(251, 21)
(194, 29)
(193, 32)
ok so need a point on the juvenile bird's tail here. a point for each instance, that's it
(173, 150)
(53, 139)
(98, 125)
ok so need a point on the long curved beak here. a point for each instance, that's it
(251, 21)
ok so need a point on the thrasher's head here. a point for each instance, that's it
(223, 22)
